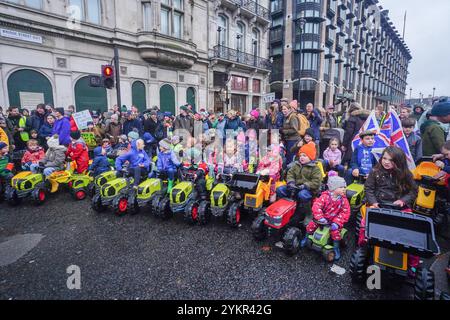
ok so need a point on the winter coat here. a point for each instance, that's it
(78, 152)
(167, 161)
(308, 175)
(35, 156)
(156, 129)
(62, 129)
(55, 157)
(290, 128)
(73, 124)
(234, 124)
(334, 210)
(315, 120)
(6, 165)
(433, 137)
(256, 125)
(113, 131)
(45, 131)
(362, 152)
(336, 156)
(129, 125)
(135, 157)
(37, 121)
(381, 186)
(415, 145)
(13, 126)
(351, 128)
(184, 122)
(277, 123)
(100, 163)
(6, 136)
(271, 164)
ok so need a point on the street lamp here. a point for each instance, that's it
(434, 91)
(300, 24)
(255, 51)
(410, 94)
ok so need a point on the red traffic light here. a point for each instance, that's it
(108, 71)
(108, 76)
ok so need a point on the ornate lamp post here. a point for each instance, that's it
(300, 25)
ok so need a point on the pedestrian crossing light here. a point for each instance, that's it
(108, 76)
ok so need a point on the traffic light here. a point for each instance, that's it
(108, 76)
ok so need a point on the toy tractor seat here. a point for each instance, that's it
(244, 183)
(425, 172)
(402, 232)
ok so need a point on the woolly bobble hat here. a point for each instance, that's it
(133, 135)
(310, 150)
(164, 144)
(254, 113)
(336, 183)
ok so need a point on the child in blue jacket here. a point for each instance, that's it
(363, 160)
(167, 162)
(138, 161)
(100, 163)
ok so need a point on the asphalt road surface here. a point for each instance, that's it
(141, 257)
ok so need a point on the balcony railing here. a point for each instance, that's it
(253, 7)
(232, 55)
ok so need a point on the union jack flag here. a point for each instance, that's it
(381, 140)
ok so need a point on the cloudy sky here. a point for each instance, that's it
(427, 35)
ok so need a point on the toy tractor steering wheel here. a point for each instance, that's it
(389, 205)
(321, 224)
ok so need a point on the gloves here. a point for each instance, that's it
(323, 220)
(334, 226)
(291, 184)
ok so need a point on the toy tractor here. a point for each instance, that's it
(147, 191)
(432, 194)
(356, 193)
(322, 243)
(24, 185)
(392, 236)
(239, 192)
(79, 185)
(95, 186)
(282, 221)
(183, 197)
(114, 194)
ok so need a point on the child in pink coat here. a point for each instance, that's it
(271, 165)
(333, 157)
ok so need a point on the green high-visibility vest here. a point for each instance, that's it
(23, 124)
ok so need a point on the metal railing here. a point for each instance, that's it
(222, 52)
(254, 7)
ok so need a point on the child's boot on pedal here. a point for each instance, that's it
(169, 186)
(337, 250)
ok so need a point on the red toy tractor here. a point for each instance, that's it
(282, 221)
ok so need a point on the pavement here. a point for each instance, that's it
(141, 257)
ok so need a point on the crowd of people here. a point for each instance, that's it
(49, 137)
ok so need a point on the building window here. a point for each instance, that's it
(255, 102)
(239, 103)
(36, 4)
(239, 83)
(240, 37)
(172, 15)
(147, 16)
(222, 37)
(89, 10)
(256, 86)
(255, 42)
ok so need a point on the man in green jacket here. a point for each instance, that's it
(433, 136)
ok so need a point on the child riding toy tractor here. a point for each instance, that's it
(282, 221)
(394, 240)
(240, 191)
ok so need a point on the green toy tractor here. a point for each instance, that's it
(95, 186)
(356, 193)
(26, 185)
(321, 242)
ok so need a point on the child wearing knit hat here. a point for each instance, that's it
(331, 208)
(167, 162)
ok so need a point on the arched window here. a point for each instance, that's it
(222, 30)
(167, 98)
(24, 84)
(190, 96)
(89, 98)
(255, 42)
(138, 95)
(240, 37)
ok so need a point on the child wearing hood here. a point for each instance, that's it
(138, 160)
(33, 155)
(167, 162)
(54, 159)
(78, 152)
(100, 163)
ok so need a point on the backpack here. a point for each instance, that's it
(303, 124)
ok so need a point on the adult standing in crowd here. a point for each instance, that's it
(274, 118)
(315, 120)
(19, 127)
(184, 121)
(433, 136)
(62, 127)
(154, 126)
(39, 117)
(132, 123)
(418, 111)
(46, 130)
(234, 122)
(290, 129)
(357, 117)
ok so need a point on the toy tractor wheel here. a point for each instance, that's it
(79, 194)
(291, 241)
(96, 203)
(258, 228)
(155, 205)
(424, 285)
(234, 215)
(191, 212)
(39, 196)
(163, 211)
(12, 197)
(133, 206)
(120, 206)
(358, 265)
(358, 227)
(204, 213)
(91, 189)
(328, 255)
